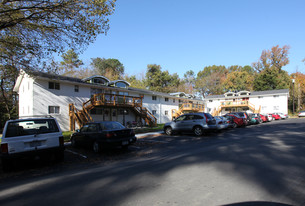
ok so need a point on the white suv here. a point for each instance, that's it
(33, 137)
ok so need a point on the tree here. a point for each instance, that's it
(134, 82)
(239, 78)
(188, 83)
(275, 58)
(238, 81)
(161, 81)
(271, 79)
(271, 76)
(110, 68)
(70, 63)
(210, 80)
(36, 29)
(8, 99)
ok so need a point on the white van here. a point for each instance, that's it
(33, 137)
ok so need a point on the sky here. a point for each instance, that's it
(182, 35)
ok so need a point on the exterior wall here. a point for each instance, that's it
(161, 106)
(269, 103)
(35, 98)
(45, 97)
(26, 97)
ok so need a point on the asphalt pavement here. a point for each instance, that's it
(257, 165)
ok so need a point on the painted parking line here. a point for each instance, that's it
(150, 140)
(76, 153)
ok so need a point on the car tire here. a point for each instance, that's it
(168, 131)
(96, 147)
(234, 125)
(198, 131)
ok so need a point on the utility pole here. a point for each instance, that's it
(293, 96)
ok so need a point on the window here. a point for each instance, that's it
(154, 98)
(166, 99)
(92, 128)
(76, 88)
(121, 84)
(210, 100)
(154, 112)
(54, 85)
(174, 100)
(54, 110)
(197, 117)
(166, 112)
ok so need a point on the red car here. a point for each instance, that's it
(275, 116)
(238, 121)
(264, 118)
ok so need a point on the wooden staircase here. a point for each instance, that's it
(187, 108)
(217, 111)
(81, 117)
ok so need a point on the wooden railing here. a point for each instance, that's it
(189, 107)
(237, 103)
(112, 100)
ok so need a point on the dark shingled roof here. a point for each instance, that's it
(73, 79)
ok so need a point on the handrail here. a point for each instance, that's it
(234, 103)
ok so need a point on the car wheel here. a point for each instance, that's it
(96, 147)
(198, 131)
(168, 131)
(234, 125)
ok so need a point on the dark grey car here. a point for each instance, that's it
(192, 122)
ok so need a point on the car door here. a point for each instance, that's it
(80, 137)
(189, 123)
(91, 134)
(179, 123)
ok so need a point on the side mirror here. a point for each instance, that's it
(78, 131)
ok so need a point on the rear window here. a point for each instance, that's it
(111, 125)
(30, 127)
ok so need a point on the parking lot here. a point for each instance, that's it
(263, 162)
(147, 144)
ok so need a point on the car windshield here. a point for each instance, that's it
(111, 125)
(30, 127)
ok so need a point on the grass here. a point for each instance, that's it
(67, 135)
(159, 127)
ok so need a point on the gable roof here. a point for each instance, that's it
(252, 94)
(56, 77)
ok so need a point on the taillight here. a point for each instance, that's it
(61, 141)
(4, 148)
(206, 118)
(110, 134)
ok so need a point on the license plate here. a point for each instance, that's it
(125, 143)
(35, 144)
